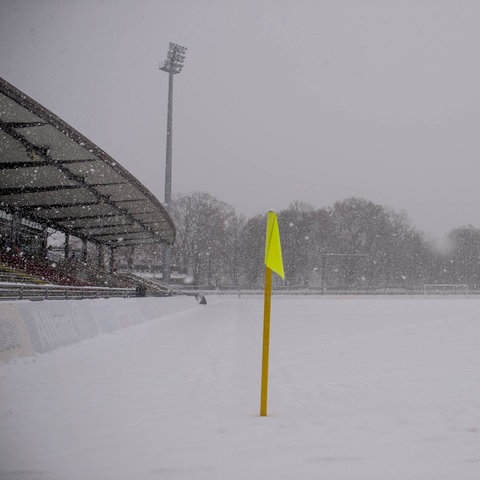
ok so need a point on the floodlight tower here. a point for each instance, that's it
(172, 65)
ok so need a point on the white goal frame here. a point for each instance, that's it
(445, 289)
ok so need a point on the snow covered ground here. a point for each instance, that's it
(360, 388)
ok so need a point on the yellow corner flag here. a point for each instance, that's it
(273, 247)
(273, 262)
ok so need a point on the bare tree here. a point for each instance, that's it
(202, 244)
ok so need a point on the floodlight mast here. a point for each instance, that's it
(172, 65)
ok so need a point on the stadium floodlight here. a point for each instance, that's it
(175, 58)
(172, 65)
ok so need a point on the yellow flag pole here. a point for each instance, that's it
(266, 341)
(273, 263)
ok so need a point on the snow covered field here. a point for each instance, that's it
(360, 388)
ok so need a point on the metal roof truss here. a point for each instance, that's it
(54, 176)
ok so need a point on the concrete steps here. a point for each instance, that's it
(12, 275)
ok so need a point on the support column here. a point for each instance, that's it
(67, 246)
(166, 274)
(14, 233)
(100, 255)
(112, 259)
(130, 255)
(44, 241)
(84, 251)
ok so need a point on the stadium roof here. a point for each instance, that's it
(53, 175)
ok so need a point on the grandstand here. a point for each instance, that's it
(55, 180)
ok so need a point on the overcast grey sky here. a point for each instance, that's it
(279, 100)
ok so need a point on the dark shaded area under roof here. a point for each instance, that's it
(53, 175)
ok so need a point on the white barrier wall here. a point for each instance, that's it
(30, 327)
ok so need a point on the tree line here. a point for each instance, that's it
(355, 244)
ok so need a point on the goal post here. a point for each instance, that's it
(445, 289)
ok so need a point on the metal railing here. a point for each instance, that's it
(28, 291)
(374, 291)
